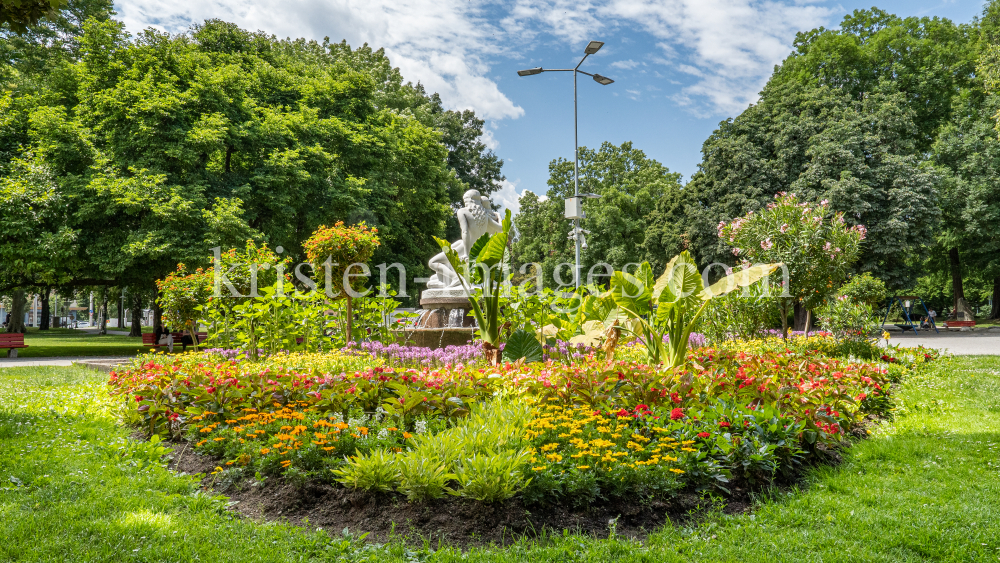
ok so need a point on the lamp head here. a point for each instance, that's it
(530, 71)
(593, 47)
(602, 80)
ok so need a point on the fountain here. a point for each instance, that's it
(446, 315)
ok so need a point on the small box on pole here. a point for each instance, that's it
(574, 208)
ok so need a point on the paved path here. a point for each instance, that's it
(962, 343)
(64, 361)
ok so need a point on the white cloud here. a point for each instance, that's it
(509, 197)
(731, 46)
(727, 47)
(489, 140)
(441, 43)
(626, 65)
(734, 43)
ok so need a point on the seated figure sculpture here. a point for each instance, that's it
(475, 218)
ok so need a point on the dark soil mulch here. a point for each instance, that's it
(451, 520)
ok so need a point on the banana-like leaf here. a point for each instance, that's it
(736, 280)
(522, 344)
(680, 280)
(678, 290)
(597, 307)
(630, 292)
(478, 246)
(593, 333)
(493, 252)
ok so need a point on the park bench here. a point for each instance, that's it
(149, 338)
(12, 341)
(959, 324)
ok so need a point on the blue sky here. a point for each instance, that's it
(680, 66)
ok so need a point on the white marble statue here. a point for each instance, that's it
(476, 218)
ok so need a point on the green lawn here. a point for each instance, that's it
(926, 488)
(72, 342)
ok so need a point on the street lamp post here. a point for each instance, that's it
(574, 209)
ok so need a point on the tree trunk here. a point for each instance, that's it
(18, 304)
(46, 312)
(121, 311)
(800, 317)
(808, 320)
(956, 280)
(136, 328)
(102, 316)
(995, 312)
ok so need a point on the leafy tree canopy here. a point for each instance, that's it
(632, 222)
(136, 153)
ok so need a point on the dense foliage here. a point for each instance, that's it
(123, 156)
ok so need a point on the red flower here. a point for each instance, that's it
(703, 434)
(675, 397)
(724, 424)
(210, 390)
(676, 414)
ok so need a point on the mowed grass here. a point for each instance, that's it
(62, 342)
(924, 488)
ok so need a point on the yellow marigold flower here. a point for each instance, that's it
(201, 443)
(691, 450)
(583, 467)
(407, 435)
(678, 471)
(286, 463)
(564, 435)
(603, 429)
(331, 448)
(218, 439)
(549, 447)
(554, 457)
(539, 468)
(264, 451)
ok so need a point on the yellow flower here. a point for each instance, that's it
(539, 468)
(678, 471)
(583, 467)
(549, 447)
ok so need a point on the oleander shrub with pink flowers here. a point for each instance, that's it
(586, 431)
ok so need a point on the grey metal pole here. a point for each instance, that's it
(576, 178)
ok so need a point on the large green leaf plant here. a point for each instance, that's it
(661, 314)
(485, 266)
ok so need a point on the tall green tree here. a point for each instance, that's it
(630, 223)
(819, 143)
